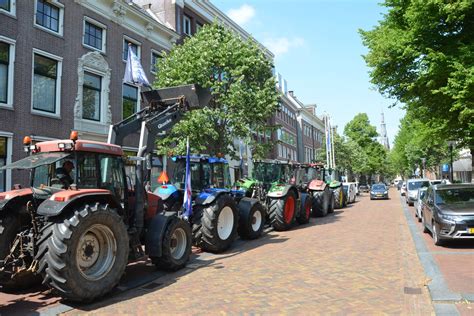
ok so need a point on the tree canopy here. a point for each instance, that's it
(422, 54)
(240, 78)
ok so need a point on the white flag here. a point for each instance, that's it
(134, 72)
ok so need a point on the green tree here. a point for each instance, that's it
(240, 78)
(422, 54)
(360, 131)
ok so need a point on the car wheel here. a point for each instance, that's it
(436, 238)
(425, 229)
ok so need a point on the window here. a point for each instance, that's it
(46, 83)
(134, 49)
(187, 25)
(4, 66)
(87, 171)
(94, 34)
(154, 59)
(5, 5)
(91, 94)
(49, 15)
(198, 27)
(111, 176)
(129, 100)
(3, 162)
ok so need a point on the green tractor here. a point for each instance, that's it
(274, 184)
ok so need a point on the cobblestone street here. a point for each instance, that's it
(359, 260)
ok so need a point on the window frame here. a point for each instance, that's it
(89, 20)
(187, 18)
(11, 72)
(138, 96)
(8, 158)
(12, 11)
(154, 52)
(101, 90)
(59, 60)
(60, 7)
(133, 41)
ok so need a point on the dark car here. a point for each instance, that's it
(364, 188)
(399, 185)
(448, 212)
(379, 191)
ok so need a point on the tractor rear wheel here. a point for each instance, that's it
(251, 223)
(282, 212)
(321, 201)
(87, 253)
(216, 228)
(176, 246)
(338, 198)
(305, 212)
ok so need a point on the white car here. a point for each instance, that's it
(403, 189)
(412, 189)
(350, 190)
(419, 202)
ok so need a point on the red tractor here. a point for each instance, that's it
(81, 221)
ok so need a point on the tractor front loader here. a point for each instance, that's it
(77, 234)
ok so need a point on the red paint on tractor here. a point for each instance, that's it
(289, 209)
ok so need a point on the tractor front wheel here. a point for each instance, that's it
(282, 212)
(215, 228)
(338, 198)
(176, 246)
(252, 222)
(86, 254)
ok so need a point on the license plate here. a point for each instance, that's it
(379, 194)
(470, 230)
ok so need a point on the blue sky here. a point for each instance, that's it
(319, 52)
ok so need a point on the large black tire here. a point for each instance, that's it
(281, 212)
(207, 234)
(320, 201)
(331, 202)
(251, 223)
(305, 211)
(176, 247)
(88, 274)
(338, 197)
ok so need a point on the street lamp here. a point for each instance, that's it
(451, 144)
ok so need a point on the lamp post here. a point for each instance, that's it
(451, 144)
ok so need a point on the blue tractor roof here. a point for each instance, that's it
(198, 158)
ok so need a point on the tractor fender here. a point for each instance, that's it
(12, 199)
(283, 192)
(245, 205)
(208, 196)
(68, 199)
(317, 185)
(155, 233)
(166, 191)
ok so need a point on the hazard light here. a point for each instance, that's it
(74, 136)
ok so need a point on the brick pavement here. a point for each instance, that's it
(360, 260)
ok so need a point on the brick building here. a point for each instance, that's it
(61, 68)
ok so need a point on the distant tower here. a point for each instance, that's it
(383, 133)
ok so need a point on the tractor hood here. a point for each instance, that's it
(246, 183)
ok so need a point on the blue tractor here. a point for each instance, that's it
(219, 213)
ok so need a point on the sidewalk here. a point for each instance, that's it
(359, 260)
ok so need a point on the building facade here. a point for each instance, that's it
(61, 69)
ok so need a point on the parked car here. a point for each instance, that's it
(364, 188)
(379, 191)
(448, 212)
(350, 191)
(403, 189)
(419, 202)
(412, 189)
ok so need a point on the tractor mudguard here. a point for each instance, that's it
(155, 233)
(282, 191)
(15, 197)
(166, 191)
(208, 196)
(67, 199)
(245, 205)
(335, 184)
(317, 185)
